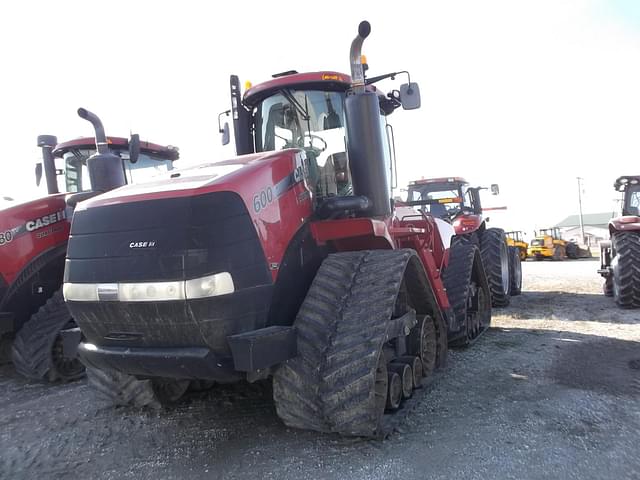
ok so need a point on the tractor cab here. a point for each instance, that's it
(444, 198)
(72, 174)
(306, 111)
(630, 188)
(450, 199)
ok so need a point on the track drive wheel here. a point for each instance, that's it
(626, 269)
(337, 380)
(38, 352)
(468, 292)
(515, 271)
(495, 258)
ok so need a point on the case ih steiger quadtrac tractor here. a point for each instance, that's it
(33, 243)
(285, 262)
(453, 200)
(620, 256)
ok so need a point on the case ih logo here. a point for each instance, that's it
(149, 244)
(45, 221)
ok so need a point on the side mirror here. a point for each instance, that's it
(226, 137)
(134, 147)
(495, 189)
(38, 173)
(410, 96)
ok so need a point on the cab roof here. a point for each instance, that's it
(118, 143)
(426, 181)
(331, 81)
(623, 182)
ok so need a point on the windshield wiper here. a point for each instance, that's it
(298, 106)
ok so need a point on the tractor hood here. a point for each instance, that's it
(224, 225)
(204, 178)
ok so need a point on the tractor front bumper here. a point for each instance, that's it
(251, 353)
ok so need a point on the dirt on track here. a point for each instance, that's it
(552, 390)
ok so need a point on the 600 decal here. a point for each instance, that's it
(262, 199)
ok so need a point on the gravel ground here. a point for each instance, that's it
(551, 391)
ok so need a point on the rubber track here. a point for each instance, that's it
(116, 388)
(32, 348)
(457, 280)
(490, 245)
(341, 327)
(627, 248)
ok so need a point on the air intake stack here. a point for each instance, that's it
(365, 143)
(105, 168)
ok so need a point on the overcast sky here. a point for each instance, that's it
(527, 94)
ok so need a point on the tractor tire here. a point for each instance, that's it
(37, 351)
(469, 295)
(626, 269)
(515, 271)
(339, 380)
(572, 251)
(121, 389)
(495, 258)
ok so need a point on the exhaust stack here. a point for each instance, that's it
(105, 168)
(365, 144)
(47, 143)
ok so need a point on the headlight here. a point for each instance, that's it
(212, 285)
(209, 286)
(80, 292)
(148, 292)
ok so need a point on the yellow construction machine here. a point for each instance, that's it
(516, 239)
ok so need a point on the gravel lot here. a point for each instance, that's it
(551, 391)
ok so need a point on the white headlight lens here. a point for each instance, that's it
(80, 292)
(209, 286)
(152, 291)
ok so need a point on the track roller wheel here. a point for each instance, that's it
(422, 342)
(406, 377)
(416, 368)
(394, 392)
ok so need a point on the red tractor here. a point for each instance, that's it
(285, 262)
(33, 244)
(620, 257)
(453, 200)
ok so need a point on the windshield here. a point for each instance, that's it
(632, 197)
(537, 242)
(314, 121)
(451, 196)
(74, 176)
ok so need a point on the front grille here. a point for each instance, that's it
(192, 237)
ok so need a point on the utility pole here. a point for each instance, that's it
(580, 206)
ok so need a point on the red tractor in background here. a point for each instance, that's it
(285, 262)
(33, 243)
(453, 200)
(620, 256)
